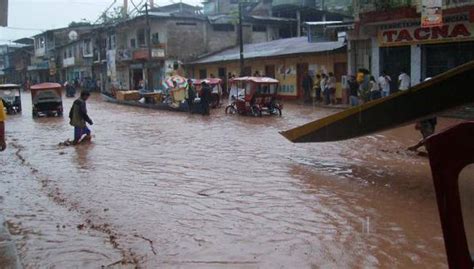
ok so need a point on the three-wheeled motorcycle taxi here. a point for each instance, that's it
(254, 96)
(11, 96)
(47, 99)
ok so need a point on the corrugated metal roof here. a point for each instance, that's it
(278, 47)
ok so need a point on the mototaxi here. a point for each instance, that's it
(11, 97)
(47, 99)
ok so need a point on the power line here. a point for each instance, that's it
(21, 28)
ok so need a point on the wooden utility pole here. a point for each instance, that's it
(241, 40)
(149, 58)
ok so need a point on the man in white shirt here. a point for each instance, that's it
(403, 81)
(384, 82)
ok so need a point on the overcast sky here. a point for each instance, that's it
(30, 17)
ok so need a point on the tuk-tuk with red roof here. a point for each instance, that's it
(254, 96)
(47, 99)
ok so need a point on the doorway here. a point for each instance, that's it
(301, 70)
(394, 60)
(137, 76)
(270, 71)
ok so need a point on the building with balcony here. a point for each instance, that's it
(388, 37)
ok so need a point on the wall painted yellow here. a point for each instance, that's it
(285, 68)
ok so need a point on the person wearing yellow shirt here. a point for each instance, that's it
(3, 144)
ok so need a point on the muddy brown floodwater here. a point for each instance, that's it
(159, 189)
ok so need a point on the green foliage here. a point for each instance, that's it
(82, 22)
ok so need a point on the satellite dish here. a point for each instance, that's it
(73, 35)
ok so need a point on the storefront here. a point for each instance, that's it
(287, 60)
(425, 52)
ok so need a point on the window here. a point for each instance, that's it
(39, 43)
(69, 52)
(87, 48)
(133, 43)
(155, 39)
(111, 42)
(259, 28)
(223, 27)
(202, 73)
(141, 37)
(65, 54)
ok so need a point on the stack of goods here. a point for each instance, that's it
(128, 95)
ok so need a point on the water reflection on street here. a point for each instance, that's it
(172, 190)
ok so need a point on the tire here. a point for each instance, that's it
(277, 111)
(256, 112)
(230, 109)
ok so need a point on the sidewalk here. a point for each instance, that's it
(321, 105)
(8, 255)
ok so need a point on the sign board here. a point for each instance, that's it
(158, 53)
(455, 28)
(431, 13)
(68, 61)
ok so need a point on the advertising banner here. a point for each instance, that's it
(431, 13)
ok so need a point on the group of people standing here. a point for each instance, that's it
(361, 88)
(322, 89)
(364, 87)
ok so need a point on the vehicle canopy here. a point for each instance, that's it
(9, 87)
(210, 81)
(9, 92)
(46, 92)
(214, 83)
(261, 86)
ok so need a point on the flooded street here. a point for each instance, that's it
(159, 189)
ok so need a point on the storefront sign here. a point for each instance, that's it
(68, 61)
(460, 31)
(158, 53)
(431, 13)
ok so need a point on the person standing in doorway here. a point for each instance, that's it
(374, 89)
(325, 89)
(317, 88)
(384, 82)
(404, 81)
(307, 84)
(3, 117)
(79, 117)
(332, 88)
(353, 91)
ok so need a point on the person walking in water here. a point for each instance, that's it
(3, 144)
(79, 118)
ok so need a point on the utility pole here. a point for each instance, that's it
(149, 58)
(323, 8)
(241, 40)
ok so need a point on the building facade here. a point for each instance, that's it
(388, 37)
(287, 60)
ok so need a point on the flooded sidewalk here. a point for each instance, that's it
(159, 189)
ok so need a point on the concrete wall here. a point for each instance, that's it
(185, 42)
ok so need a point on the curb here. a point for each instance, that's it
(8, 256)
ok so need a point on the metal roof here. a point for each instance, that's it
(280, 47)
(257, 79)
(322, 22)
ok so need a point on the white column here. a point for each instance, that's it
(415, 64)
(375, 65)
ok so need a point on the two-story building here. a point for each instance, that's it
(45, 61)
(178, 33)
(388, 37)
